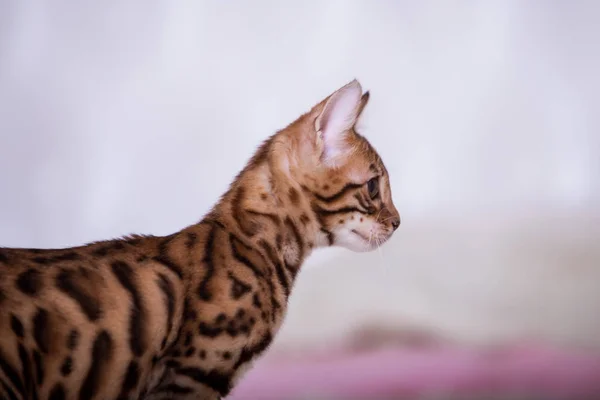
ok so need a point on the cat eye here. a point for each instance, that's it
(373, 188)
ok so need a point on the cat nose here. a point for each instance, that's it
(396, 223)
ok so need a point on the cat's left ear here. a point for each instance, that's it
(363, 103)
(335, 120)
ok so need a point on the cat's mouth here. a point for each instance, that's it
(362, 236)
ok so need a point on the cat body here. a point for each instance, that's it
(183, 316)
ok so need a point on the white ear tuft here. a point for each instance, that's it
(337, 117)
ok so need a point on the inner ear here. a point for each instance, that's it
(336, 119)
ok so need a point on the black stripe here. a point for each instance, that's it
(362, 202)
(210, 331)
(343, 210)
(12, 374)
(294, 196)
(176, 353)
(190, 351)
(215, 380)
(66, 282)
(16, 326)
(131, 379)
(248, 227)
(41, 331)
(170, 264)
(204, 292)
(110, 247)
(174, 388)
(43, 260)
(39, 367)
(192, 238)
(73, 339)
(304, 219)
(67, 366)
(188, 339)
(273, 217)
(249, 352)
(293, 269)
(70, 256)
(213, 219)
(256, 301)
(170, 364)
(330, 237)
(281, 277)
(27, 373)
(101, 251)
(188, 311)
(126, 276)
(238, 287)
(169, 298)
(3, 257)
(234, 329)
(102, 351)
(341, 193)
(322, 223)
(164, 258)
(8, 391)
(57, 393)
(236, 245)
(30, 282)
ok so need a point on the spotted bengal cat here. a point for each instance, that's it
(183, 316)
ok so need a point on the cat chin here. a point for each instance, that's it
(356, 241)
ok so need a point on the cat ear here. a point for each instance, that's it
(363, 103)
(337, 117)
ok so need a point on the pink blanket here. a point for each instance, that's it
(449, 372)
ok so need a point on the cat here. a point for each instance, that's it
(185, 315)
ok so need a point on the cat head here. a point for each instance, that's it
(343, 176)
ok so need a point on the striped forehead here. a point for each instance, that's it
(369, 153)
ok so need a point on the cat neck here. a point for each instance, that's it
(267, 209)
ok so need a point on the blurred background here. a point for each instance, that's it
(121, 117)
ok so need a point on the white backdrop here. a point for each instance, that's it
(133, 117)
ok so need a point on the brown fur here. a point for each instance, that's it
(184, 315)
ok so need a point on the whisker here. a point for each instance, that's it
(378, 214)
(383, 263)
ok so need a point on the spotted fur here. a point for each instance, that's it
(183, 316)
